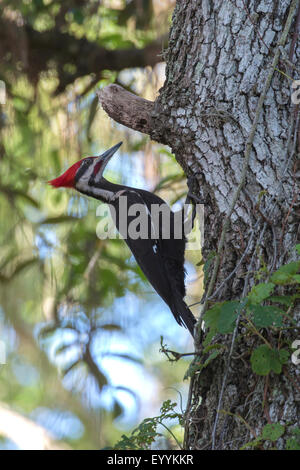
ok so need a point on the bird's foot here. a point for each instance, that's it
(191, 196)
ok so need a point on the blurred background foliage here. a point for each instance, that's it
(80, 324)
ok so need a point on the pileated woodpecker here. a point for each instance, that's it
(161, 259)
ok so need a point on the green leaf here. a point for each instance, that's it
(211, 347)
(287, 274)
(252, 444)
(265, 316)
(284, 356)
(290, 268)
(264, 360)
(293, 443)
(281, 278)
(272, 431)
(207, 265)
(211, 317)
(298, 248)
(260, 360)
(192, 369)
(228, 314)
(211, 357)
(260, 292)
(282, 299)
(209, 337)
(197, 366)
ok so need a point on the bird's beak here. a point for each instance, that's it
(103, 159)
(109, 153)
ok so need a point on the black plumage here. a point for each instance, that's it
(160, 259)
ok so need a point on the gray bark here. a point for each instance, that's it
(228, 117)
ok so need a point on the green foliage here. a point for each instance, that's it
(264, 316)
(258, 310)
(208, 264)
(147, 432)
(293, 443)
(265, 359)
(272, 431)
(228, 314)
(287, 274)
(210, 353)
(260, 292)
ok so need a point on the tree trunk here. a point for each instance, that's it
(226, 111)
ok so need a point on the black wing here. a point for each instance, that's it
(161, 260)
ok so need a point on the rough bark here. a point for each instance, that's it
(225, 110)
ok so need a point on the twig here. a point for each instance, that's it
(188, 412)
(291, 379)
(286, 59)
(93, 261)
(252, 431)
(266, 409)
(255, 26)
(255, 330)
(176, 354)
(169, 430)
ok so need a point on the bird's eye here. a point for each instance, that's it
(86, 162)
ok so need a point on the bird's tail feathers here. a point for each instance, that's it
(183, 315)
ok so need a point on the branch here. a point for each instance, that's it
(93, 367)
(126, 108)
(39, 49)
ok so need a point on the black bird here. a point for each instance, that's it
(159, 251)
